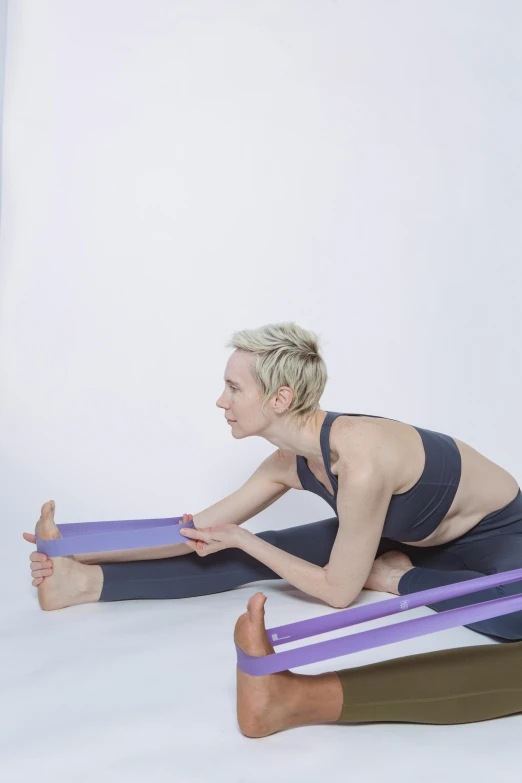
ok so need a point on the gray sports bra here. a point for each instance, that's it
(411, 515)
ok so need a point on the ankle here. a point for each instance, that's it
(93, 584)
(320, 698)
(394, 579)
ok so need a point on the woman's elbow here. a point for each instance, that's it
(338, 602)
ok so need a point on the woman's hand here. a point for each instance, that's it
(41, 565)
(207, 540)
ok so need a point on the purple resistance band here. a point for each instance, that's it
(86, 537)
(377, 637)
(79, 538)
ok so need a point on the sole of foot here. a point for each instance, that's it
(69, 583)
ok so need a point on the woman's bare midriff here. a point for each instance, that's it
(484, 486)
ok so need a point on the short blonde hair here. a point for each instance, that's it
(284, 354)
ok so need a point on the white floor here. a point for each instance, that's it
(136, 690)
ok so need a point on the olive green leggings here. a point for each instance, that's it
(460, 685)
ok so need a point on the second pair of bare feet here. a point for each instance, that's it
(265, 704)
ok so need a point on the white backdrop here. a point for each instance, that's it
(3, 25)
(176, 170)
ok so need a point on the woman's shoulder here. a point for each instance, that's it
(356, 438)
(375, 442)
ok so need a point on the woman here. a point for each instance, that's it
(439, 513)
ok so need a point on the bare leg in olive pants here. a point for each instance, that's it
(460, 685)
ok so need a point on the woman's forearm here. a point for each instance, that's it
(308, 577)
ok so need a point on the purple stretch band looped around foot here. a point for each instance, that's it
(78, 538)
(376, 637)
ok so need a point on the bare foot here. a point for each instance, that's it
(42, 564)
(70, 582)
(270, 703)
(387, 571)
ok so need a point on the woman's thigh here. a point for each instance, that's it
(497, 553)
(312, 541)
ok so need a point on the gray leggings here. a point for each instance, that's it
(494, 545)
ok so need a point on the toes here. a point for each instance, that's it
(46, 526)
(48, 508)
(254, 615)
(256, 605)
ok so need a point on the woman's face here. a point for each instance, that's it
(240, 398)
(236, 399)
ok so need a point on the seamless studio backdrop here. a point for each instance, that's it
(172, 172)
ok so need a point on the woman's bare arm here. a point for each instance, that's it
(263, 488)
